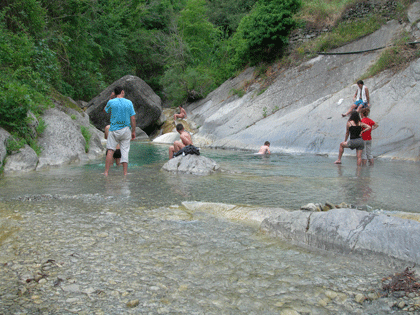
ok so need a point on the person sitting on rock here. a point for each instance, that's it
(178, 145)
(182, 113)
(265, 149)
(360, 98)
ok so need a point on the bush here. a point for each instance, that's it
(87, 135)
(263, 34)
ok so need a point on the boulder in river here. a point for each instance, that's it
(147, 104)
(191, 164)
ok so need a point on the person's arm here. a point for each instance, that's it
(366, 127)
(347, 131)
(367, 97)
(133, 127)
(375, 126)
(110, 98)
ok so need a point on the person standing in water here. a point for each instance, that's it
(122, 119)
(367, 137)
(354, 128)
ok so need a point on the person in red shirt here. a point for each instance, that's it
(367, 137)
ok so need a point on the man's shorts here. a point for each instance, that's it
(360, 103)
(357, 144)
(367, 151)
(121, 137)
(117, 154)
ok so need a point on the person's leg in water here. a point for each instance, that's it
(340, 152)
(109, 160)
(359, 157)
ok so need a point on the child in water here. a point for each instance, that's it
(265, 149)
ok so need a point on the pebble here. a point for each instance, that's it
(62, 261)
(133, 303)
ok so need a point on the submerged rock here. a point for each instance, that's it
(191, 164)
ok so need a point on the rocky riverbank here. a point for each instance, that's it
(60, 258)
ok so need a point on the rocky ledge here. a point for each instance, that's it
(191, 164)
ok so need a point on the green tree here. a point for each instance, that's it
(227, 14)
(189, 54)
(263, 34)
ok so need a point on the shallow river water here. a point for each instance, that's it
(75, 242)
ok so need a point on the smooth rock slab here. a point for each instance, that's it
(191, 164)
(349, 231)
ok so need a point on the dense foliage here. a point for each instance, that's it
(182, 48)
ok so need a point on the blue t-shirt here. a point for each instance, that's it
(121, 111)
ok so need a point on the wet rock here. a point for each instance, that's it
(147, 104)
(359, 298)
(191, 164)
(310, 207)
(349, 231)
(4, 135)
(133, 303)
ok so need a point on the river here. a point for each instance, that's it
(75, 242)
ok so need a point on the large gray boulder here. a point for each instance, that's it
(62, 141)
(191, 164)
(301, 110)
(24, 160)
(348, 231)
(3, 137)
(147, 105)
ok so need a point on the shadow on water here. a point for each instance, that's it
(279, 180)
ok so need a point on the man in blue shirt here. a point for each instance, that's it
(122, 119)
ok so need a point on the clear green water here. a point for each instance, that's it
(287, 181)
(127, 238)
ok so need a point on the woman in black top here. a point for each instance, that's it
(355, 128)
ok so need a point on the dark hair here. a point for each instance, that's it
(267, 143)
(118, 90)
(355, 117)
(360, 82)
(179, 127)
(365, 112)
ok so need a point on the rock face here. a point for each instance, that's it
(3, 137)
(63, 142)
(191, 164)
(147, 105)
(22, 161)
(349, 231)
(300, 111)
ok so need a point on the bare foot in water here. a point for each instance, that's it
(337, 162)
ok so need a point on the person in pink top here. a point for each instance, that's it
(367, 137)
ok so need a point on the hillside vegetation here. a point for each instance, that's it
(182, 48)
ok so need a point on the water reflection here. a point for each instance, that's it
(277, 180)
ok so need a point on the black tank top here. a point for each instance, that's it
(355, 132)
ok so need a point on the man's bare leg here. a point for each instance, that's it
(178, 145)
(352, 108)
(109, 160)
(125, 167)
(171, 151)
